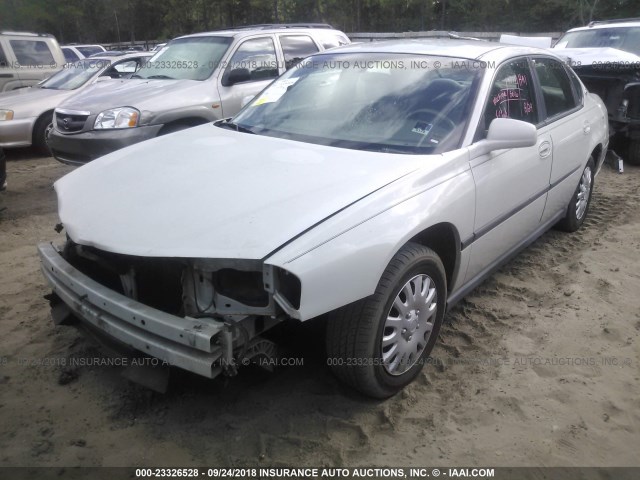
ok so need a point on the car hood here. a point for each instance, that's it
(209, 192)
(586, 57)
(25, 99)
(141, 94)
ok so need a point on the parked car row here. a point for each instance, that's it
(26, 114)
(195, 79)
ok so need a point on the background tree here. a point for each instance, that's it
(107, 21)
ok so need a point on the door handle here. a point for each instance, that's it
(586, 129)
(544, 149)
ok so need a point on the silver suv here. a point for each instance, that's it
(27, 58)
(195, 79)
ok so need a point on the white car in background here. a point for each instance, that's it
(606, 56)
(26, 113)
(73, 53)
(377, 183)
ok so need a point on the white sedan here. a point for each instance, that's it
(376, 183)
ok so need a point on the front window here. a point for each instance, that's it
(511, 95)
(191, 58)
(622, 38)
(379, 102)
(255, 60)
(74, 75)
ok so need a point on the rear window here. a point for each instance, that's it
(296, 48)
(333, 41)
(88, 51)
(32, 52)
(69, 55)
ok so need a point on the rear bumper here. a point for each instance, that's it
(16, 132)
(80, 148)
(187, 343)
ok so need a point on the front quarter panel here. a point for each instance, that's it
(341, 260)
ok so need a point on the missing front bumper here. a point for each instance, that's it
(188, 343)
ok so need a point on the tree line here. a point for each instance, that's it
(109, 21)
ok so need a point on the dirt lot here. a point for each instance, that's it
(540, 367)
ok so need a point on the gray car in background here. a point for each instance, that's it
(26, 113)
(195, 79)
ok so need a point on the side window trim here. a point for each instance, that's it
(541, 106)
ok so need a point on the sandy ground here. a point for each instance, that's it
(539, 367)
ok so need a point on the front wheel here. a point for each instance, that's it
(41, 132)
(378, 345)
(580, 201)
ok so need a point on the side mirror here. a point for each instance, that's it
(236, 75)
(507, 133)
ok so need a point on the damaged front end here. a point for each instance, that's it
(205, 316)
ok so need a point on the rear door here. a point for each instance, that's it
(564, 121)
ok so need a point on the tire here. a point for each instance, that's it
(40, 132)
(633, 156)
(355, 333)
(578, 207)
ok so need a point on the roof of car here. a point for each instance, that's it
(82, 45)
(467, 49)
(619, 23)
(265, 28)
(25, 34)
(110, 57)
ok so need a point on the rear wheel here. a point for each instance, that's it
(378, 345)
(580, 201)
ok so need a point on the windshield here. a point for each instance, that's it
(193, 58)
(75, 74)
(622, 38)
(379, 102)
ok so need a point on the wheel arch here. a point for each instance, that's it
(444, 239)
(596, 153)
(188, 122)
(37, 122)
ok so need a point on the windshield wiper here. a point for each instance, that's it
(235, 126)
(160, 77)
